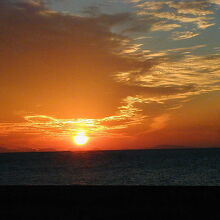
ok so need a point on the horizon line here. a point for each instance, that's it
(137, 149)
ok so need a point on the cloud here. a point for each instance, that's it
(164, 26)
(48, 50)
(198, 13)
(158, 123)
(215, 2)
(186, 76)
(183, 35)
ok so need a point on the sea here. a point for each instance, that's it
(159, 167)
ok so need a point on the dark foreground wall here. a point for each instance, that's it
(108, 202)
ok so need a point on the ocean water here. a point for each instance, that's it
(131, 167)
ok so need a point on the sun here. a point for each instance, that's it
(80, 138)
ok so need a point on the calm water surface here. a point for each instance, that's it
(133, 167)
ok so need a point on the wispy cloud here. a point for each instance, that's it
(178, 13)
(183, 35)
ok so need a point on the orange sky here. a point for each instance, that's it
(131, 74)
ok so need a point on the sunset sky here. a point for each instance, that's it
(128, 74)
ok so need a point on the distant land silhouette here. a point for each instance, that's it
(26, 149)
(23, 149)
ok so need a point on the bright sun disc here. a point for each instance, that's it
(80, 138)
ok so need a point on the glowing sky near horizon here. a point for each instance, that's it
(128, 73)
